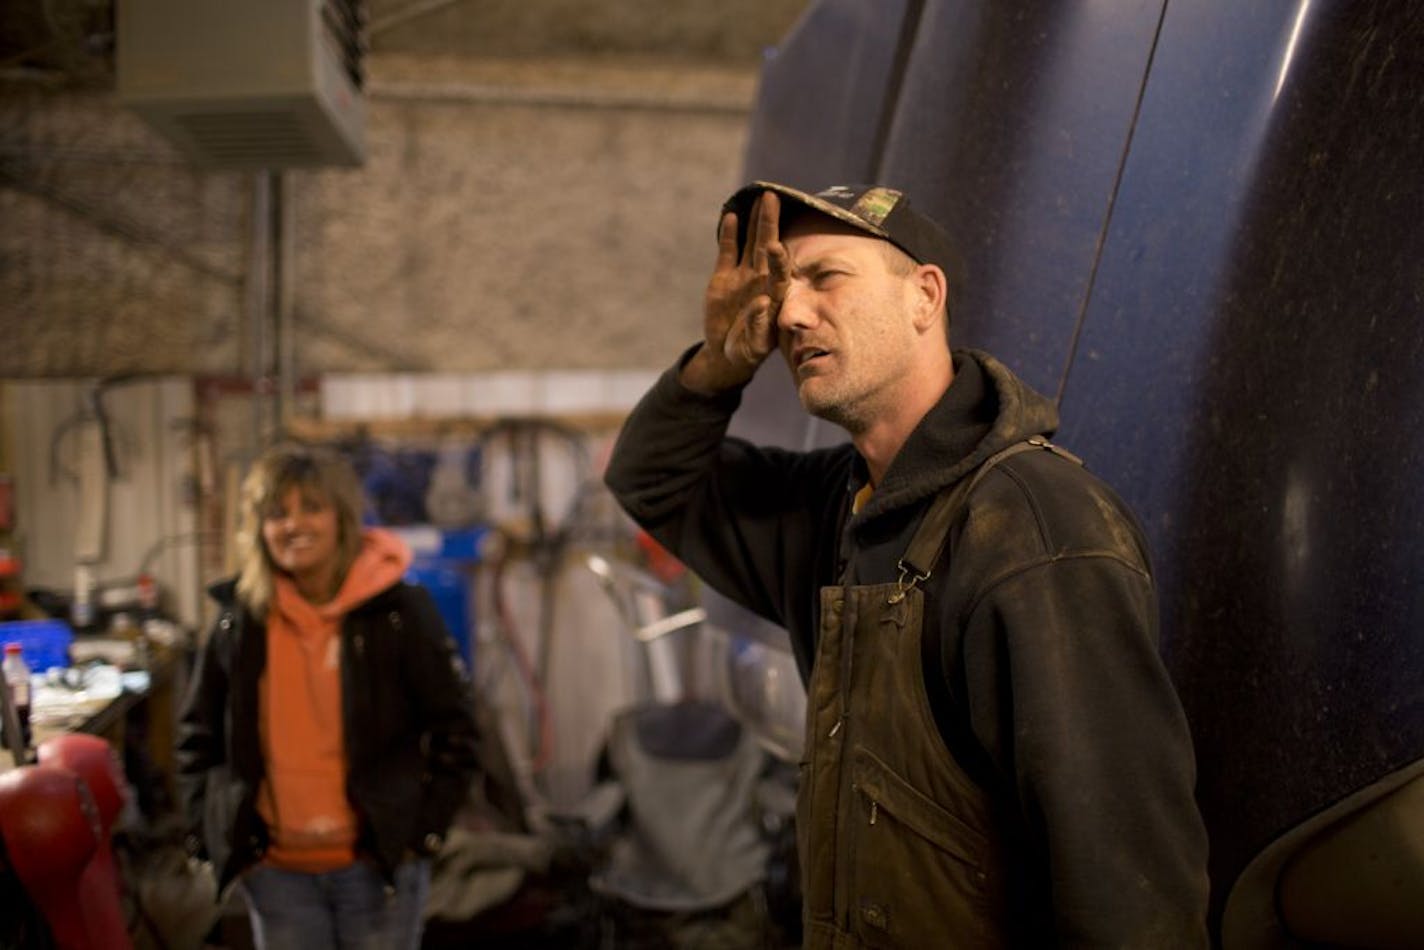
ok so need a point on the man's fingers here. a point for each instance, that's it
(761, 328)
(762, 231)
(778, 271)
(753, 336)
(753, 230)
(756, 326)
(727, 242)
(767, 215)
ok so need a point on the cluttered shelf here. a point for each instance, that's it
(100, 685)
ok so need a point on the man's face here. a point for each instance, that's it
(846, 328)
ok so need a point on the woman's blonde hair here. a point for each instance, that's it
(319, 473)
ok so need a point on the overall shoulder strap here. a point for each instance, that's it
(929, 540)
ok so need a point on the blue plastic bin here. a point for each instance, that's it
(44, 643)
(444, 564)
(450, 585)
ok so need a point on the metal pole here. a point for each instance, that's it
(284, 262)
(259, 305)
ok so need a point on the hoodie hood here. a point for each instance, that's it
(985, 409)
(381, 562)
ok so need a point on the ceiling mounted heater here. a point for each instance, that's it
(256, 84)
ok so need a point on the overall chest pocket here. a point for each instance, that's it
(918, 871)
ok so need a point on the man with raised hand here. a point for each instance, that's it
(995, 755)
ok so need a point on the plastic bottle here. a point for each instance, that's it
(81, 610)
(17, 675)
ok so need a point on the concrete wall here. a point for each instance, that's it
(526, 215)
(730, 31)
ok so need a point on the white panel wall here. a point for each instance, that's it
(150, 506)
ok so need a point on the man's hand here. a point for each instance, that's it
(743, 300)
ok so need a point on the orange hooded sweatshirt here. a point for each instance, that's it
(303, 797)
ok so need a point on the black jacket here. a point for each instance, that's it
(408, 719)
(1040, 654)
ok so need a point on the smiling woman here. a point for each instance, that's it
(301, 517)
(328, 736)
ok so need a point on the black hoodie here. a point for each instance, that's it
(1041, 660)
(408, 721)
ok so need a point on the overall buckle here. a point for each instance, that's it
(910, 578)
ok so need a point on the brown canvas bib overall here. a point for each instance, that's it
(897, 843)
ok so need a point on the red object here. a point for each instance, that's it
(97, 765)
(51, 832)
(147, 592)
(661, 563)
(95, 761)
(7, 503)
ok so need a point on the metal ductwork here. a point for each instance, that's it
(261, 84)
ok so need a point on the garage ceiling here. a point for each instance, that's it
(71, 42)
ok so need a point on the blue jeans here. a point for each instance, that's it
(349, 908)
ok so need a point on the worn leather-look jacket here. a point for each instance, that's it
(1037, 668)
(408, 719)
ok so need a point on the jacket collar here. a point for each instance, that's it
(985, 409)
(225, 593)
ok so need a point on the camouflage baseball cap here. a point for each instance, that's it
(875, 209)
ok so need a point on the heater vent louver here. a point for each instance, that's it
(258, 84)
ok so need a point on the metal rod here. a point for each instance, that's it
(284, 263)
(259, 289)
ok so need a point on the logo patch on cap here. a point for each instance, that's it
(875, 205)
(872, 206)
